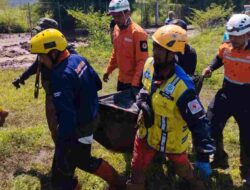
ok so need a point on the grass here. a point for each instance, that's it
(26, 148)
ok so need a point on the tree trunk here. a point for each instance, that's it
(156, 12)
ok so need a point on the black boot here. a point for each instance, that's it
(220, 156)
(220, 161)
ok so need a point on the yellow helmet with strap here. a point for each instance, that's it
(171, 37)
(47, 40)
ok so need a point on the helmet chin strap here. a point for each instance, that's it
(126, 23)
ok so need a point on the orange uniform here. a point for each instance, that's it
(129, 54)
(236, 63)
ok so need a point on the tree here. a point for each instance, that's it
(213, 15)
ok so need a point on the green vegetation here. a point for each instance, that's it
(212, 16)
(96, 23)
(13, 19)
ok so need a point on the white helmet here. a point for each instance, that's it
(116, 6)
(238, 24)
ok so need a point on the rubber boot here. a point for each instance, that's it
(186, 171)
(3, 115)
(110, 175)
(220, 156)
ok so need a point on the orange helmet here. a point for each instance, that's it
(171, 37)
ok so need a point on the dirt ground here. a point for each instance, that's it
(14, 49)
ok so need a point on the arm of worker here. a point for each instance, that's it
(215, 63)
(194, 114)
(193, 61)
(26, 74)
(141, 55)
(63, 98)
(112, 65)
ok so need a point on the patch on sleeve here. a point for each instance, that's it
(144, 46)
(194, 106)
(80, 67)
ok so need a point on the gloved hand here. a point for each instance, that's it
(143, 96)
(202, 170)
(143, 101)
(148, 115)
(17, 82)
(105, 77)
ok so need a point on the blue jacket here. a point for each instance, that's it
(74, 84)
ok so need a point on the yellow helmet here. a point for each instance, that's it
(171, 37)
(47, 40)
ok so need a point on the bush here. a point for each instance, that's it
(96, 23)
(13, 20)
(214, 15)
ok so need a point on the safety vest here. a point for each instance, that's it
(236, 64)
(169, 133)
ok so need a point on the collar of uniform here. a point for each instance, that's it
(65, 54)
(128, 28)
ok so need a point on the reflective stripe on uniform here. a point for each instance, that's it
(86, 140)
(164, 133)
(237, 59)
(236, 64)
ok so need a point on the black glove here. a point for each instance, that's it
(143, 102)
(17, 82)
(148, 114)
(143, 96)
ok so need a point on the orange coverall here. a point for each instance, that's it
(129, 54)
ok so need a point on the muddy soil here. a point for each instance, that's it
(14, 50)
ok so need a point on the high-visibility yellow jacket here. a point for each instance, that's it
(176, 110)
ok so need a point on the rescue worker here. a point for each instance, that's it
(36, 68)
(188, 60)
(3, 115)
(171, 109)
(130, 48)
(74, 85)
(233, 98)
(171, 16)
